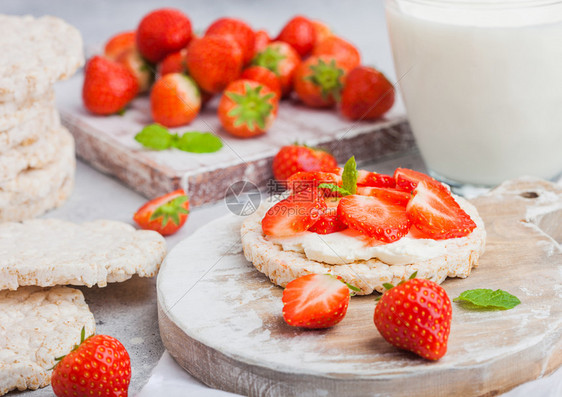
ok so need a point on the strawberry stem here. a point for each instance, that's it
(269, 58)
(171, 211)
(251, 108)
(328, 77)
(82, 339)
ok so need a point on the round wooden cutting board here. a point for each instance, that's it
(221, 319)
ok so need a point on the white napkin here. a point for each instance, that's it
(169, 379)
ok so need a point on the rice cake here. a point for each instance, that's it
(47, 252)
(36, 52)
(34, 184)
(33, 155)
(46, 117)
(368, 275)
(37, 325)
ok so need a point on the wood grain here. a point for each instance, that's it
(221, 319)
(107, 143)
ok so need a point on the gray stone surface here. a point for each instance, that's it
(127, 311)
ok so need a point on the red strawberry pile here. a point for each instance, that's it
(251, 71)
(382, 207)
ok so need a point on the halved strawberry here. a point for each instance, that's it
(393, 195)
(374, 216)
(295, 214)
(315, 301)
(407, 179)
(329, 222)
(366, 178)
(436, 214)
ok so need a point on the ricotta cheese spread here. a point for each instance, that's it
(349, 246)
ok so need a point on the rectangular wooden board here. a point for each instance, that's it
(107, 143)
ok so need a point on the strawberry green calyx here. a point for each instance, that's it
(269, 58)
(171, 211)
(327, 76)
(82, 339)
(252, 108)
(388, 286)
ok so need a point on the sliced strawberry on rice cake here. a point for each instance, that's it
(367, 228)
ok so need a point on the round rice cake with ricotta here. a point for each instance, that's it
(283, 260)
(36, 190)
(36, 52)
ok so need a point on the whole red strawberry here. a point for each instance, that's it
(281, 59)
(120, 43)
(415, 316)
(319, 81)
(108, 86)
(322, 31)
(239, 30)
(297, 158)
(98, 366)
(175, 62)
(138, 66)
(174, 100)
(335, 47)
(165, 214)
(247, 108)
(162, 32)
(264, 76)
(214, 62)
(261, 40)
(315, 301)
(366, 95)
(300, 33)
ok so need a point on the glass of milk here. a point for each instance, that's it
(482, 84)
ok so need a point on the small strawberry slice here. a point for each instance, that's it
(366, 178)
(315, 301)
(407, 179)
(329, 222)
(374, 216)
(435, 213)
(415, 316)
(308, 180)
(393, 195)
(295, 214)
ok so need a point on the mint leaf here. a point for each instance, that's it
(334, 188)
(349, 176)
(487, 298)
(155, 136)
(199, 142)
(158, 137)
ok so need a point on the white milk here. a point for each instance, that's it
(482, 84)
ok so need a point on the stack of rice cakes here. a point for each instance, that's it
(37, 161)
